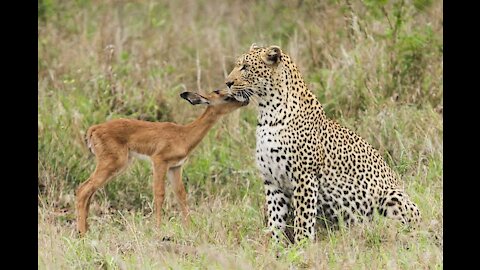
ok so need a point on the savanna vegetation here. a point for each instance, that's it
(375, 65)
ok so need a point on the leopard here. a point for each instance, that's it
(313, 169)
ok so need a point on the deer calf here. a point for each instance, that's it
(167, 144)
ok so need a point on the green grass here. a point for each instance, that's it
(375, 66)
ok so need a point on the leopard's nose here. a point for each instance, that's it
(229, 84)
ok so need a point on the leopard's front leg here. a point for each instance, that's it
(277, 209)
(305, 206)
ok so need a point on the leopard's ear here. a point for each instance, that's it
(272, 55)
(253, 47)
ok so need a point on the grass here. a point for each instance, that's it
(376, 66)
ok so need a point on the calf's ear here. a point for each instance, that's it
(194, 98)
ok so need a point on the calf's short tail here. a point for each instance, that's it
(88, 139)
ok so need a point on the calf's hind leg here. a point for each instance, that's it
(105, 170)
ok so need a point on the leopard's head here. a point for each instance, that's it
(252, 74)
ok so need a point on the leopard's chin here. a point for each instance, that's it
(242, 96)
(239, 99)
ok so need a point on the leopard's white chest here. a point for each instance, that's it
(271, 156)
